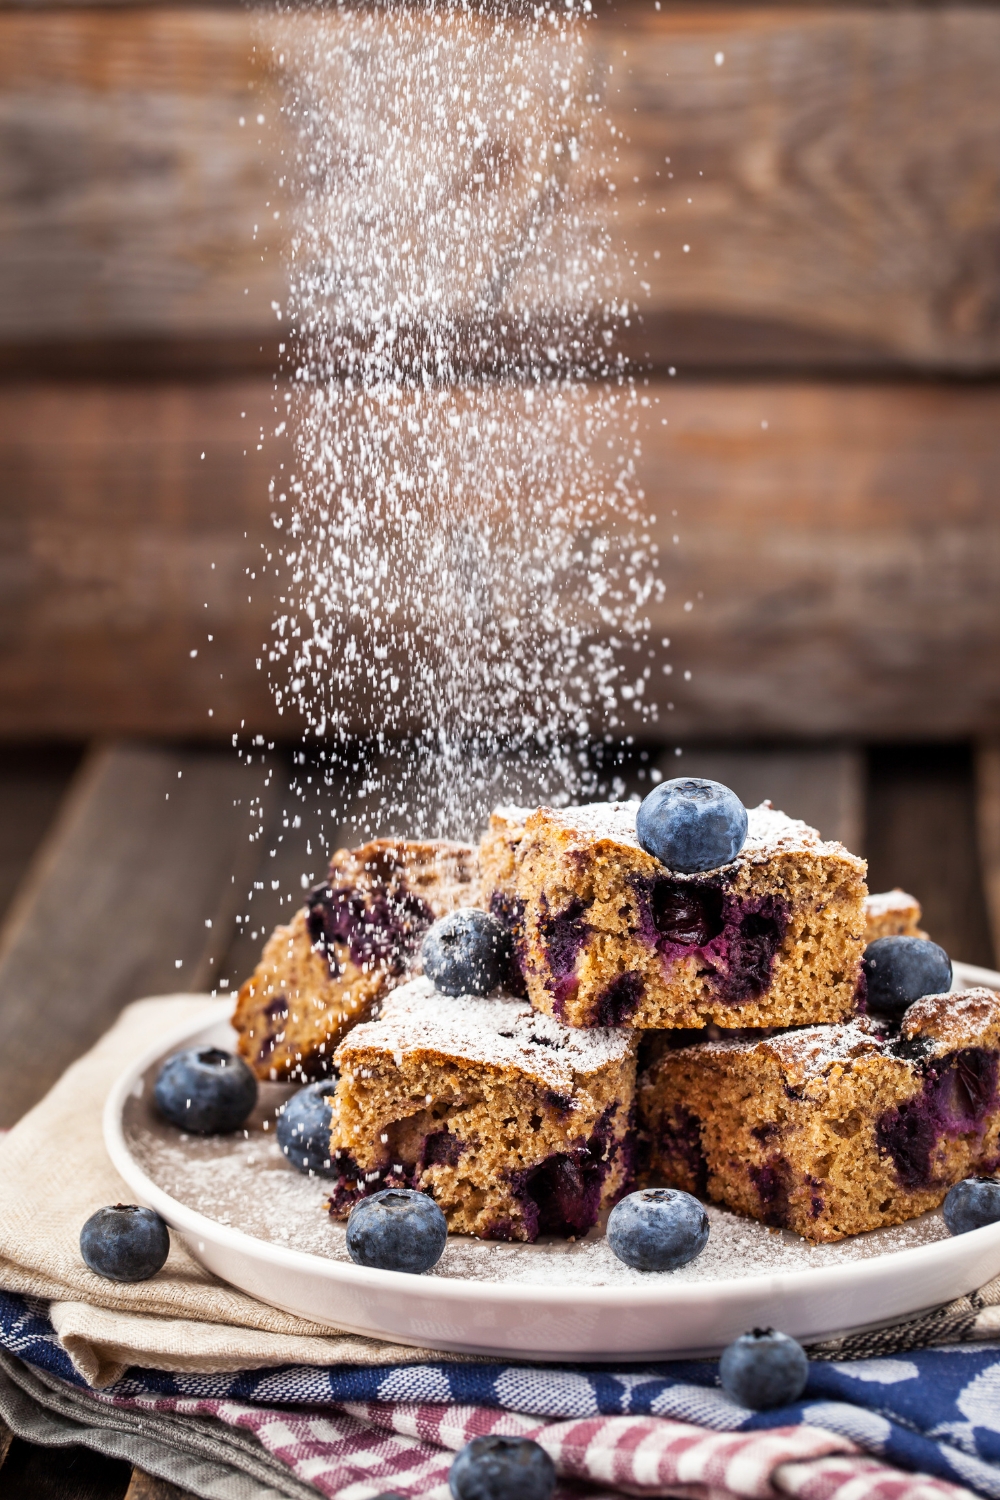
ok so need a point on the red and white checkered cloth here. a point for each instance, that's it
(360, 1449)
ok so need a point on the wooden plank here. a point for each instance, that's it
(129, 205)
(988, 830)
(133, 893)
(921, 834)
(74, 1472)
(145, 1486)
(33, 780)
(836, 570)
(128, 213)
(841, 564)
(133, 592)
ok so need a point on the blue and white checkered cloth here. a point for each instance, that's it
(933, 1410)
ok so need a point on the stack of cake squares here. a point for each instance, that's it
(704, 1031)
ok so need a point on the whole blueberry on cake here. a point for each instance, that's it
(613, 936)
(515, 1124)
(831, 1130)
(357, 935)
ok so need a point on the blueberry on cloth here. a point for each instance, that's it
(125, 1243)
(657, 1229)
(900, 970)
(689, 824)
(971, 1203)
(205, 1090)
(398, 1229)
(764, 1369)
(303, 1129)
(467, 953)
(502, 1468)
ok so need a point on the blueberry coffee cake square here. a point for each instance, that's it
(892, 913)
(515, 1125)
(831, 1130)
(356, 936)
(498, 877)
(612, 937)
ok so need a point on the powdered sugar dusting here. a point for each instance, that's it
(881, 903)
(769, 831)
(245, 1183)
(497, 1030)
(811, 1049)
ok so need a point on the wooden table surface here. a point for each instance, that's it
(140, 858)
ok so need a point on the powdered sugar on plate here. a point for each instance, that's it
(244, 1182)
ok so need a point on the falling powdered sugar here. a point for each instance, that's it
(466, 560)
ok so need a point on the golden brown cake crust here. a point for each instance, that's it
(892, 913)
(614, 938)
(832, 1130)
(353, 941)
(515, 1124)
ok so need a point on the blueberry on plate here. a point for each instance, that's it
(125, 1243)
(900, 970)
(397, 1229)
(303, 1129)
(971, 1203)
(205, 1090)
(467, 952)
(657, 1229)
(690, 825)
(764, 1369)
(502, 1468)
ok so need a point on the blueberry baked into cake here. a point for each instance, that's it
(482, 1016)
(832, 1130)
(614, 938)
(356, 936)
(516, 1125)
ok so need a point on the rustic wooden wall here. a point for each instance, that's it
(836, 179)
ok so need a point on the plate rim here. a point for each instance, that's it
(660, 1294)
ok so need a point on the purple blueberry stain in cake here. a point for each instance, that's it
(356, 1184)
(381, 928)
(965, 1089)
(619, 1000)
(563, 935)
(276, 1014)
(442, 1149)
(771, 1183)
(561, 1195)
(733, 940)
(861, 992)
(561, 1102)
(680, 1142)
(959, 1092)
(510, 911)
(816, 1204)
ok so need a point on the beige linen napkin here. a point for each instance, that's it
(54, 1172)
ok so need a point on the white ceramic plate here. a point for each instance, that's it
(255, 1222)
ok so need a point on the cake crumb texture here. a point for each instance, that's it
(611, 937)
(515, 1124)
(354, 939)
(831, 1130)
(892, 913)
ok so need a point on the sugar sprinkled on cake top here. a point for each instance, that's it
(499, 1031)
(881, 903)
(809, 1050)
(769, 831)
(951, 1020)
